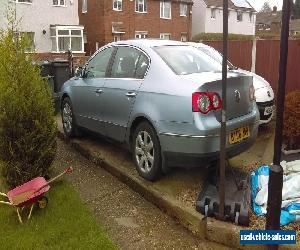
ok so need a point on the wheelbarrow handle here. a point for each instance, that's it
(3, 194)
(66, 171)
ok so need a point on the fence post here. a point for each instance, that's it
(253, 55)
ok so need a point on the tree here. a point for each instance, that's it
(296, 9)
(27, 125)
(266, 8)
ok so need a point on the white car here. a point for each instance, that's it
(264, 93)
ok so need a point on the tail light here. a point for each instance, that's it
(252, 93)
(204, 102)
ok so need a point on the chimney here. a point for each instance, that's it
(275, 9)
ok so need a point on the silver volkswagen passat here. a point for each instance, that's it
(162, 99)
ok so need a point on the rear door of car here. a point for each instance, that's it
(121, 88)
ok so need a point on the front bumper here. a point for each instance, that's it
(264, 117)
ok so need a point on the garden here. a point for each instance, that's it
(28, 134)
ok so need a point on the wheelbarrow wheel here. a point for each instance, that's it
(43, 202)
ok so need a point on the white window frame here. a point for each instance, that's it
(119, 5)
(251, 17)
(184, 35)
(117, 37)
(18, 36)
(141, 34)
(69, 28)
(163, 35)
(183, 9)
(162, 9)
(84, 6)
(143, 3)
(237, 16)
(59, 4)
(22, 1)
(213, 12)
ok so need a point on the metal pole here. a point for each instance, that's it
(276, 171)
(224, 104)
(286, 13)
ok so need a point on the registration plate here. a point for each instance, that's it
(239, 134)
(269, 110)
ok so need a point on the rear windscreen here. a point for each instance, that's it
(184, 60)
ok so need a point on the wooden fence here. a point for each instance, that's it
(266, 61)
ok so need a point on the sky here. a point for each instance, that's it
(257, 4)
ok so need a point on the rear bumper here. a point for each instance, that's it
(191, 160)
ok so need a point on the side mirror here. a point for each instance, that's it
(79, 72)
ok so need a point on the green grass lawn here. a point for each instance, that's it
(64, 224)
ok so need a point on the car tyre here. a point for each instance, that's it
(68, 120)
(146, 151)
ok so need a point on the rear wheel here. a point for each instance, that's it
(146, 151)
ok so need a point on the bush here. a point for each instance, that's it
(219, 37)
(27, 126)
(267, 35)
(292, 120)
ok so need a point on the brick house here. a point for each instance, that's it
(112, 20)
(51, 25)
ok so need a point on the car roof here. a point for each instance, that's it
(198, 45)
(149, 43)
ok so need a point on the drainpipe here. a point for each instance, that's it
(254, 42)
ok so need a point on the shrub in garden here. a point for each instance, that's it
(27, 125)
(219, 37)
(292, 120)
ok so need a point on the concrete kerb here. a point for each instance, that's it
(208, 228)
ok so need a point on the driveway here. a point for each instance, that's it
(130, 220)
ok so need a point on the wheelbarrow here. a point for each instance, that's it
(30, 193)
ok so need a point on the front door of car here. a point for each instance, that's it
(121, 88)
(88, 91)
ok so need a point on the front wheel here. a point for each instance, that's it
(146, 151)
(68, 120)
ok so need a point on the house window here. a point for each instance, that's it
(59, 2)
(183, 37)
(117, 38)
(117, 5)
(239, 16)
(165, 36)
(22, 1)
(29, 36)
(183, 9)
(165, 9)
(141, 34)
(66, 38)
(141, 6)
(84, 6)
(250, 17)
(213, 13)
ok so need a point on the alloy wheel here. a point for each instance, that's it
(144, 151)
(67, 117)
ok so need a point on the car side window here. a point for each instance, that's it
(97, 66)
(142, 66)
(125, 63)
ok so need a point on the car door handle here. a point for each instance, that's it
(131, 94)
(98, 91)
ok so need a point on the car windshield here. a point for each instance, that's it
(216, 55)
(184, 60)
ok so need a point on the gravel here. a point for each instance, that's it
(130, 220)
